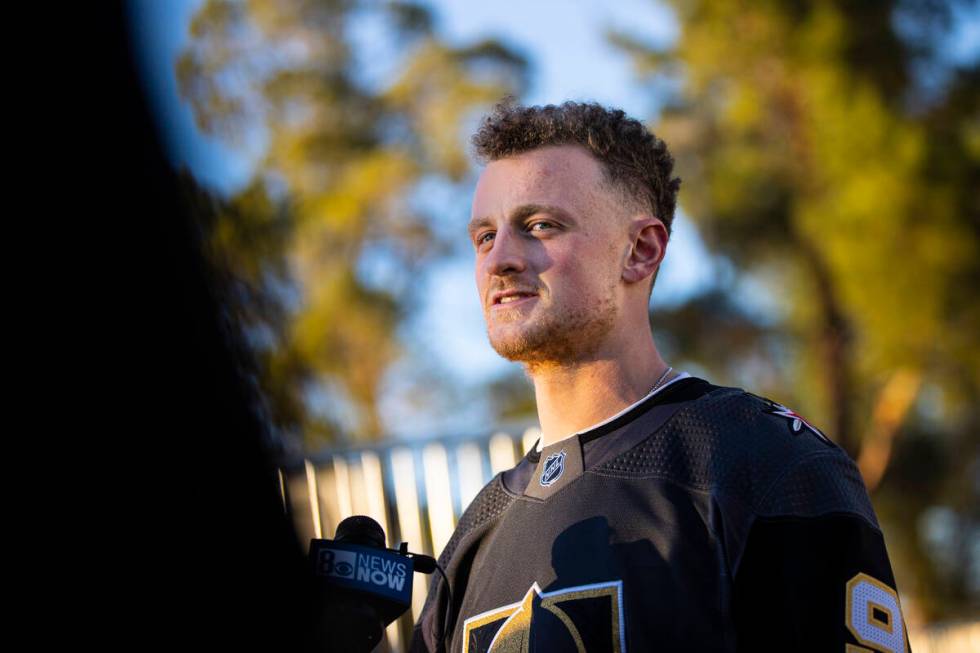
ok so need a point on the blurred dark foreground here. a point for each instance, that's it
(196, 546)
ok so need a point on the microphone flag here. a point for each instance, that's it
(366, 569)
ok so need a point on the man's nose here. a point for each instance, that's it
(507, 256)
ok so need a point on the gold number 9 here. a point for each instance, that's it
(873, 614)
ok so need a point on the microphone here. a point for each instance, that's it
(364, 585)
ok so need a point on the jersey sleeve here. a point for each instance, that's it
(814, 574)
(425, 638)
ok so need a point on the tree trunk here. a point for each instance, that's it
(834, 334)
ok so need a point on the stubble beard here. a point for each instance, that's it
(558, 339)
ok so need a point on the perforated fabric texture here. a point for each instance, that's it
(489, 504)
(866, 594)
(817, 485)
(729, 443)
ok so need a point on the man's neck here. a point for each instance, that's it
(574, 397)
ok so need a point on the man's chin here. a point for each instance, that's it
(535, 348)
(546, 344)
(507, 349)
(515, 347)
(561, 339)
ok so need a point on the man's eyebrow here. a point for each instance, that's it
(476, 223)
(520, 213)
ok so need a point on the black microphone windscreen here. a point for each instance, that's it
(361, 529)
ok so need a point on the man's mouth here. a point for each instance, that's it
(511, 297)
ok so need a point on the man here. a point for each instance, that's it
(658, 512)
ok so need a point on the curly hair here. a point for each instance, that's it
(633, 159)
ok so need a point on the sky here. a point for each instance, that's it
(570, 59)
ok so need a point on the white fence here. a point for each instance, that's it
(416, 491)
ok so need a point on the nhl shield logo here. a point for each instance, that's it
(554, 466)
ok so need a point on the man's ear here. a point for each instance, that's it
(648, 237)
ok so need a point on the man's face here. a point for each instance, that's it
(550, 243)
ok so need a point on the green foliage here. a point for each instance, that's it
(342, 155)
(815, 161)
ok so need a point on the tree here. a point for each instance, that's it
(344, 151)
(831, 154)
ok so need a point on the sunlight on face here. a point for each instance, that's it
(549, 251)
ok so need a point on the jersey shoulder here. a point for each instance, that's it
(486, 507)
(819, 479)
(752, 450)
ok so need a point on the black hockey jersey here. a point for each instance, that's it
(704, 518)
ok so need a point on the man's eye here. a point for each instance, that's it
(546, 225)
(482, 238)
